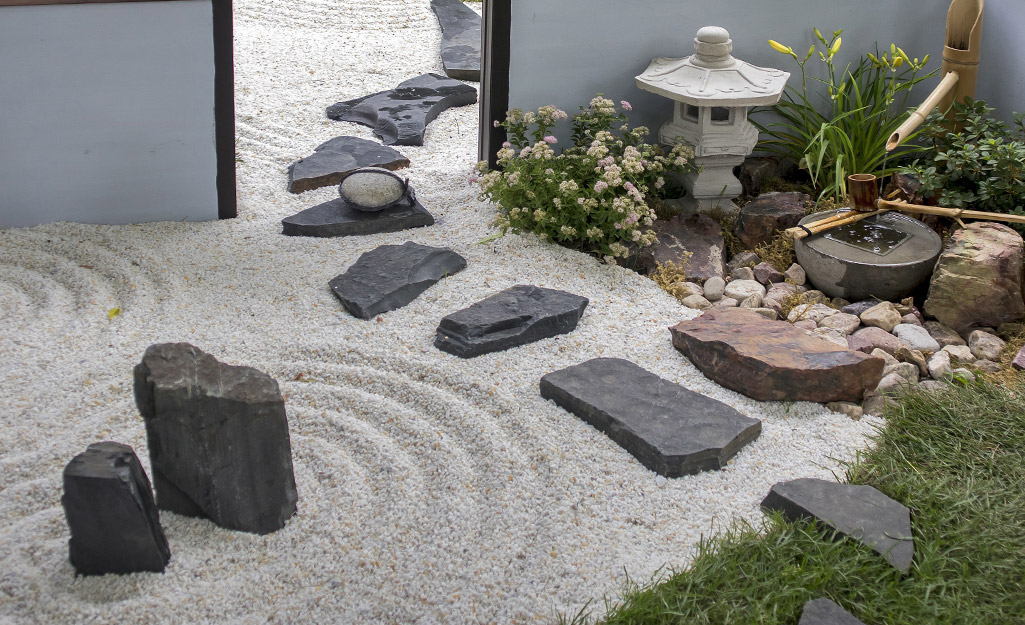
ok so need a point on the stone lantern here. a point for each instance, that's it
(712, 92)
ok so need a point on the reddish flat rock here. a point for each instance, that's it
(772, 360)
(867, 339)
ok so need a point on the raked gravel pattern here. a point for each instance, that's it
(432, 489)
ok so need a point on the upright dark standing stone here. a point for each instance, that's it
(824, 612)
(694, 241)
(115, 526)
(391, 276)
(760, 220)
(330, 162)
(218, 439)
(861, 512)
(518, 315)
(671, 430)
(400, 115)
(460, 39)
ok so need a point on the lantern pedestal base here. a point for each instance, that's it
(713, 188)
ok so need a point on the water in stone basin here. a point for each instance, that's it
(872, 237)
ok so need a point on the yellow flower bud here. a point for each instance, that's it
(819, 35)
(782, 49)
(811, 51)
(925, 60)
(904, 56)
(897, 62)
(836, 46)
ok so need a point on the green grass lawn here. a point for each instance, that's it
(956, 458)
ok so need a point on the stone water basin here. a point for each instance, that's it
(884, 256)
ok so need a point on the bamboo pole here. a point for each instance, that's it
(904, 207)
(817, 227)
(911, 124)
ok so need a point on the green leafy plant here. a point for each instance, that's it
(980, 166)
(866, 103)
(595, 195)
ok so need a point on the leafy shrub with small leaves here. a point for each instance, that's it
(981, 166)
(594, 196)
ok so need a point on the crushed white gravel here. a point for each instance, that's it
(431, 489)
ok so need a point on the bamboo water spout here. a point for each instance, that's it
(961, 54)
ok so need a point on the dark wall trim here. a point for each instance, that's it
(495, 77)
(224, 108)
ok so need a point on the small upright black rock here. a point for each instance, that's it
(218, 439)
(391, 276)
(824, 612)
(115, 526)
(518, 315)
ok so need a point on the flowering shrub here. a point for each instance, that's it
(594, 195)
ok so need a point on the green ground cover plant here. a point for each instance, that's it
(980, 166)
(956, 458)
(597, 195)
(847, 132)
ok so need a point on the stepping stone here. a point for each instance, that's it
(460, 39)
(115, 526)
(518, 315)
(860, 512)
(331, 161)
(671, 430)
(824, 612)
(391, 276)
(340, 218)
(400, 115)
(218, 439)
(772, 360)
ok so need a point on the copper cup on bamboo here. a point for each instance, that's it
(863, 193)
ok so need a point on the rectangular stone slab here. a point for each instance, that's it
(671, 430)
(772, 360)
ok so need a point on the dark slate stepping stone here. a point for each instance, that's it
(772, 360)
(391, 276)
(331, 161)
(518, 315)
(108, 502)
(824, 612)
(400, 115)
(672, 431)
(460, 39)
(340, 218)
(218, 439)
(861, 512)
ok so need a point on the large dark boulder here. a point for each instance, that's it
(218, 439)
(978, 278)
(694, 241)
(518, 315)
(772, 360)
(860, 512)
(391, 276)
(115, 526)
(671, 430)
(760, 220)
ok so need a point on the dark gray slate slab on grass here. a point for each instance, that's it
(108, 502)
(391, 276)
(861, 512)
(330, 162)
(518, 315)
(460, 39)
(339, 218)
(671, 430)
(824, 612)
(400, 115)
(218, 439)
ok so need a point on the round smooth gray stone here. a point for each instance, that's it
(372, 189)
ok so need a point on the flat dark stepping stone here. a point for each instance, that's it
(330, 162)
(400, 115)
(114, 523)
(460, 39)
(391, 276)
(518, 315)
(824, 612)
(861, 512)
(339, 218)
(672, 431)
(772, 360)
